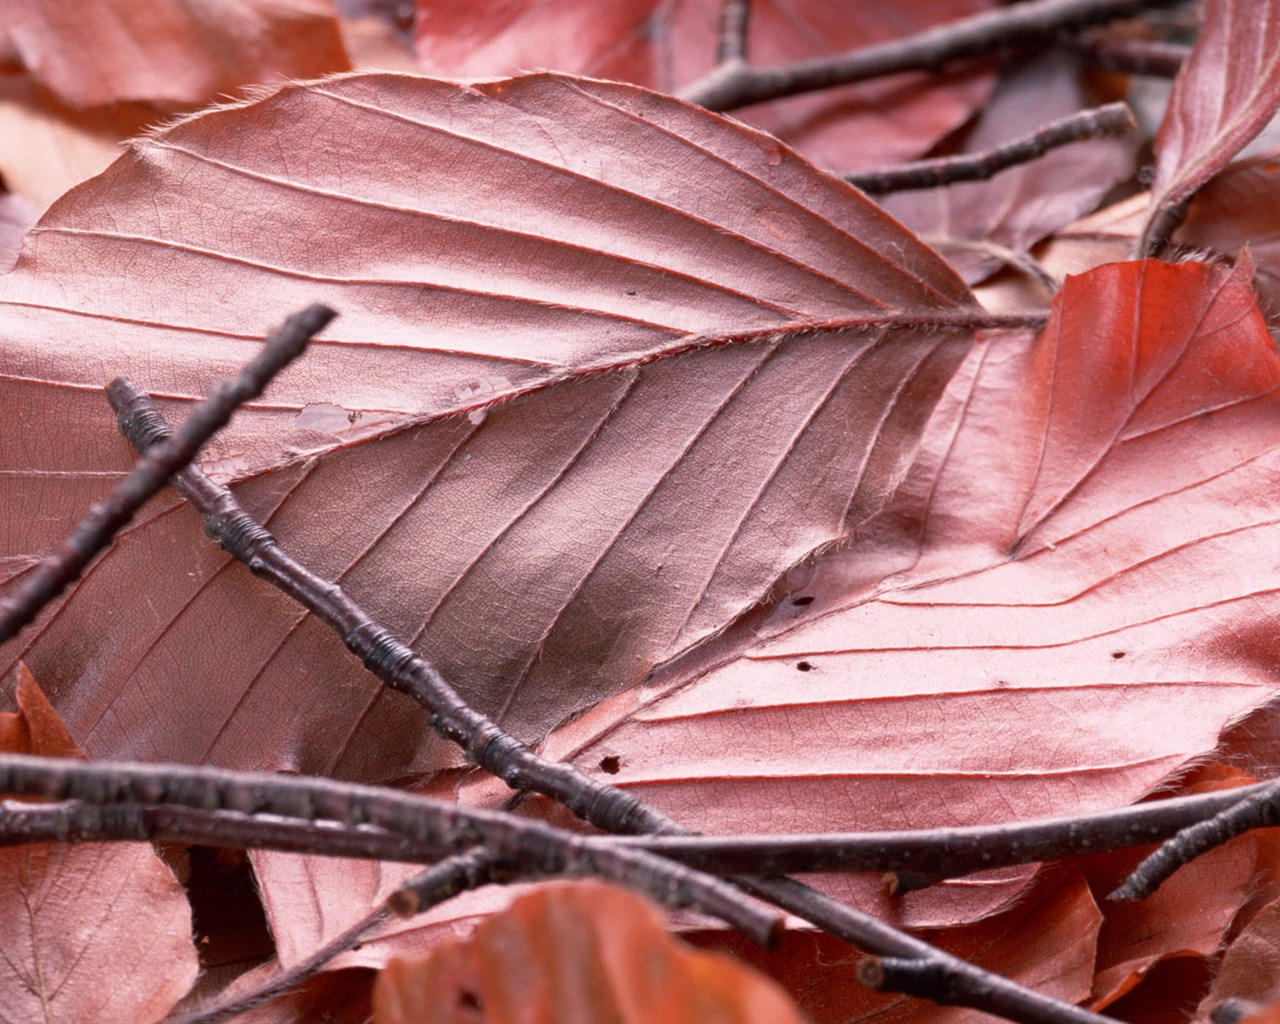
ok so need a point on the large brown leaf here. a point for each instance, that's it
(668, 44)
(542, 441)
(1073, 596)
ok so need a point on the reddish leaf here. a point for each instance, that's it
(1045, 942)
(73, 916)
(582, 951)
(1241, 207)
(667, 45)
(1226, 92)
(1073, 596)
(1251, 967)
(538, 442)
(168, 52)
(1139, 937)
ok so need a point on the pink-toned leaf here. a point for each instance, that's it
(577, 951)
(167, 52)
(593, 389)
(668, 44)
(96, 933)
(1241, 207)
(1226, 92)
(1073, 596)
(1021, 205)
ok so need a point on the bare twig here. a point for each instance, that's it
(1259, 809)
(968, 985)
(735, 21)
(382, 653)
(534, 847)
(1112, 119)
(930, 854)
(948, 852)
(1110, 52)
(95, 531)
(289, 978)
(736, 84)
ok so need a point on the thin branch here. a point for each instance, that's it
(1112, 119)
(52, 575)
(460, 873)
(1110, 52)
(1259, 809)
(929, 854)
(735, 22)
(1037, 22)
(948, 852)
(534, 846)
(435, 885)
(278, 984)
(382, 653)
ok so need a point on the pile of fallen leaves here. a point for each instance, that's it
(602, 431)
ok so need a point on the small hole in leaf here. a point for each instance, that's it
(610, 764)
(802, 600)
(1117, 655)
(805, 666)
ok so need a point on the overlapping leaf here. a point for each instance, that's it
(176, 55)
(1021, 205)
(543, 441)
(1073, 596)
(577, 951)
(1226, 92)
(668, 44)
(71, 917)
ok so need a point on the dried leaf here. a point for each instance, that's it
(72, 916)
(576, 951)
(1045, 942)
(667, 45)
(1226, 92)
(581, 410)
(175, 54)
(1073, 596)
(1241, 207)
